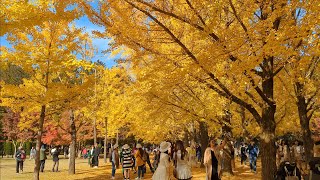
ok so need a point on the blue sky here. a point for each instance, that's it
(100, 44)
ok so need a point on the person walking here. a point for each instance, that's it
(162, 172)
(140, 163)
(84, 153)
(211, 160)
(96, 153)
(90, 156)
(43, 158)
(134, 151)
(32, 153)
(147, 156)
(55, 157)
(156, 158)
(243, 154)
(20, 157)
(114, 160)
(253, 151)
(126, 161)
(198, 152)
(180, 156)
(297, 153)
(65, 151)
(284, 151)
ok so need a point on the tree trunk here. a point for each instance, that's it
(304, 122)
(72, 158)
(268, 125)
(227, 166)
(244, 124)
(15, 148)
(105, 141)
(38, 145)
(204, 138)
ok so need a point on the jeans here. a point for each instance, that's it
(42, 163)
(253, 163)
(113, 169)
(199, 157)
(55, 163)
(19, 165)
(140, 171)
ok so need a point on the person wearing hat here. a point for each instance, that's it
(126, 161)
(114, 160)
(162, 172)
(140, 163)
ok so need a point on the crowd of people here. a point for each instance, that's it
(137, 159)
(173, 158)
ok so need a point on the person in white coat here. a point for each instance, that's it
(181, 157)
(162, 172)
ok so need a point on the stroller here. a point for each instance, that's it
(288, 171)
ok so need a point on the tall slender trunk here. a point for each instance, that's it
(226, 158)
(304, 122)
(204, 138)
(242, 112)
(15, 148)
(73, 133)
(38, 145)
(105, 141)
(268, 147)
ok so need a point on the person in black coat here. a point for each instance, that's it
(96, 153)
(55, 157)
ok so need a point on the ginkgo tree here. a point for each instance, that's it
(21, 15)
(107, 103)
(235, 48)
(48, 54)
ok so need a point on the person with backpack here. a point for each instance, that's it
(253, 154)
(20, 157)
(55, 157)
(140, 163)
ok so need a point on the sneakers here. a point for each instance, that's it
(112, 177)
(137, 178)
